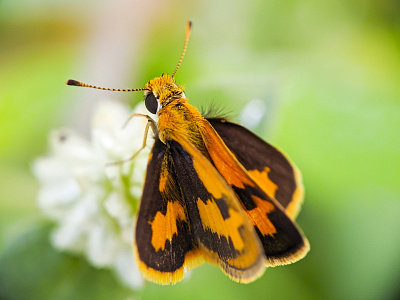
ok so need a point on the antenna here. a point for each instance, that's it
(187, 35)
(79, 83)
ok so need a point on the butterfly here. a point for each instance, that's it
(214, 192)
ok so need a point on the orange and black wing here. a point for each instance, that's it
(282, 240)
(268, 166)
(164, 242)
(219, 226)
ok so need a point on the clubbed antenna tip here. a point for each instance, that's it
(73, 82)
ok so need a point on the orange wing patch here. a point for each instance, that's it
(226, 164)
(263, 181)
(258, 216)
(215, 188)
(164, 226)
(213, 220)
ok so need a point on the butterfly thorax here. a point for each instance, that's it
(181, 119)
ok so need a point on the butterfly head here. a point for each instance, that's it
(161, 91)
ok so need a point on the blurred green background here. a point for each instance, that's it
(327, 71)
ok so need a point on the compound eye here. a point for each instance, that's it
(151, 103)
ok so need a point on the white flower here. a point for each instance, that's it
(94, 204)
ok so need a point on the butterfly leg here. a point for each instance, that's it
(150, 123)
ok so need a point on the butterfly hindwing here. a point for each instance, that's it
(164, 241)
(222, 231)
(282, 240)
(268, 166)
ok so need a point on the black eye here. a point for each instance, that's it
(151, 103)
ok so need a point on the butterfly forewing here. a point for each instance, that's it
(282, 240)
(222, 231)
(164, 241)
